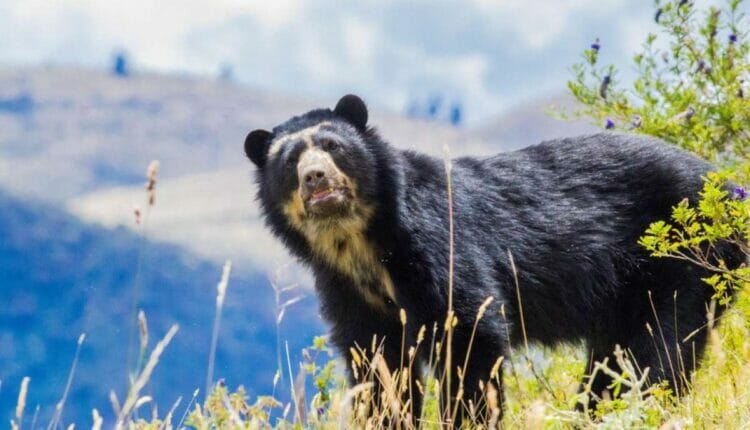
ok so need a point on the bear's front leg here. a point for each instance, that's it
(473, 369)
(371, 344)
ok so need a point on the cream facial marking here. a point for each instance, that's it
(340, 242)
(305, 134)
(315, 158)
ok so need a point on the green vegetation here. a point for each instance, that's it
(691, 87)
(690, 91)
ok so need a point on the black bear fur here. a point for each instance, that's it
(570, 212)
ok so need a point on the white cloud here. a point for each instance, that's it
(543, 22)
(487, 53)
(155, 30)
(360, 40)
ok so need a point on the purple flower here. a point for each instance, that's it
(732, 38)
(609, 124)
(596, 46)
(739, 193)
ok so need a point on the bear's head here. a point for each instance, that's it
(317, 171)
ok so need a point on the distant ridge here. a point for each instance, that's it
(74, 146)
(60, 277)
(532, 123)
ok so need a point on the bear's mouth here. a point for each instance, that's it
(323, 194)
(327, 201)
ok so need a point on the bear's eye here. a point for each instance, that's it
(329, 145)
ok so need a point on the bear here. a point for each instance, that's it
(549, 233)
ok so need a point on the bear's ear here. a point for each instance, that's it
(352, 109)
(256, 146)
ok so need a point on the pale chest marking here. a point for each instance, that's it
(345, 248)
(350, 253)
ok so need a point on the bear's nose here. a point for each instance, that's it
(313, 178)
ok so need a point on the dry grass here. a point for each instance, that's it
(541, 386)
(540, 393)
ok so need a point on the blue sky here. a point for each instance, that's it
(490, 55)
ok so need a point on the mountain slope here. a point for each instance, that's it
(531, 123)
(84, 138)
(72, 131)
(81, 140)
(61, 278)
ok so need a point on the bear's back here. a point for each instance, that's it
(571, 211)
(606, 174)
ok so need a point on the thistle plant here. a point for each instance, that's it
(691, 85)
(691, 90)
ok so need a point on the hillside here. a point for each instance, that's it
(65, 132)
(61, 277)
(84, 139)
(74, 146)
(531, 123)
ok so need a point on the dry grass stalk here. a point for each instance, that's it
(281, 303)
(34, 418)
(143, 330)
(21, 404)
(97, 425)
(221, 291)
(187, 408)
(389, 394)
(142, 378)
(451, 245)
(402, 317)
(140, 221)
(61, 405)
(115, 402)
(350, 398)
(480, 313)
(518, 296)
(664, 343)
(142, 401)
(151, 172)
(301, 395)
(494, 406)
(299, 406)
